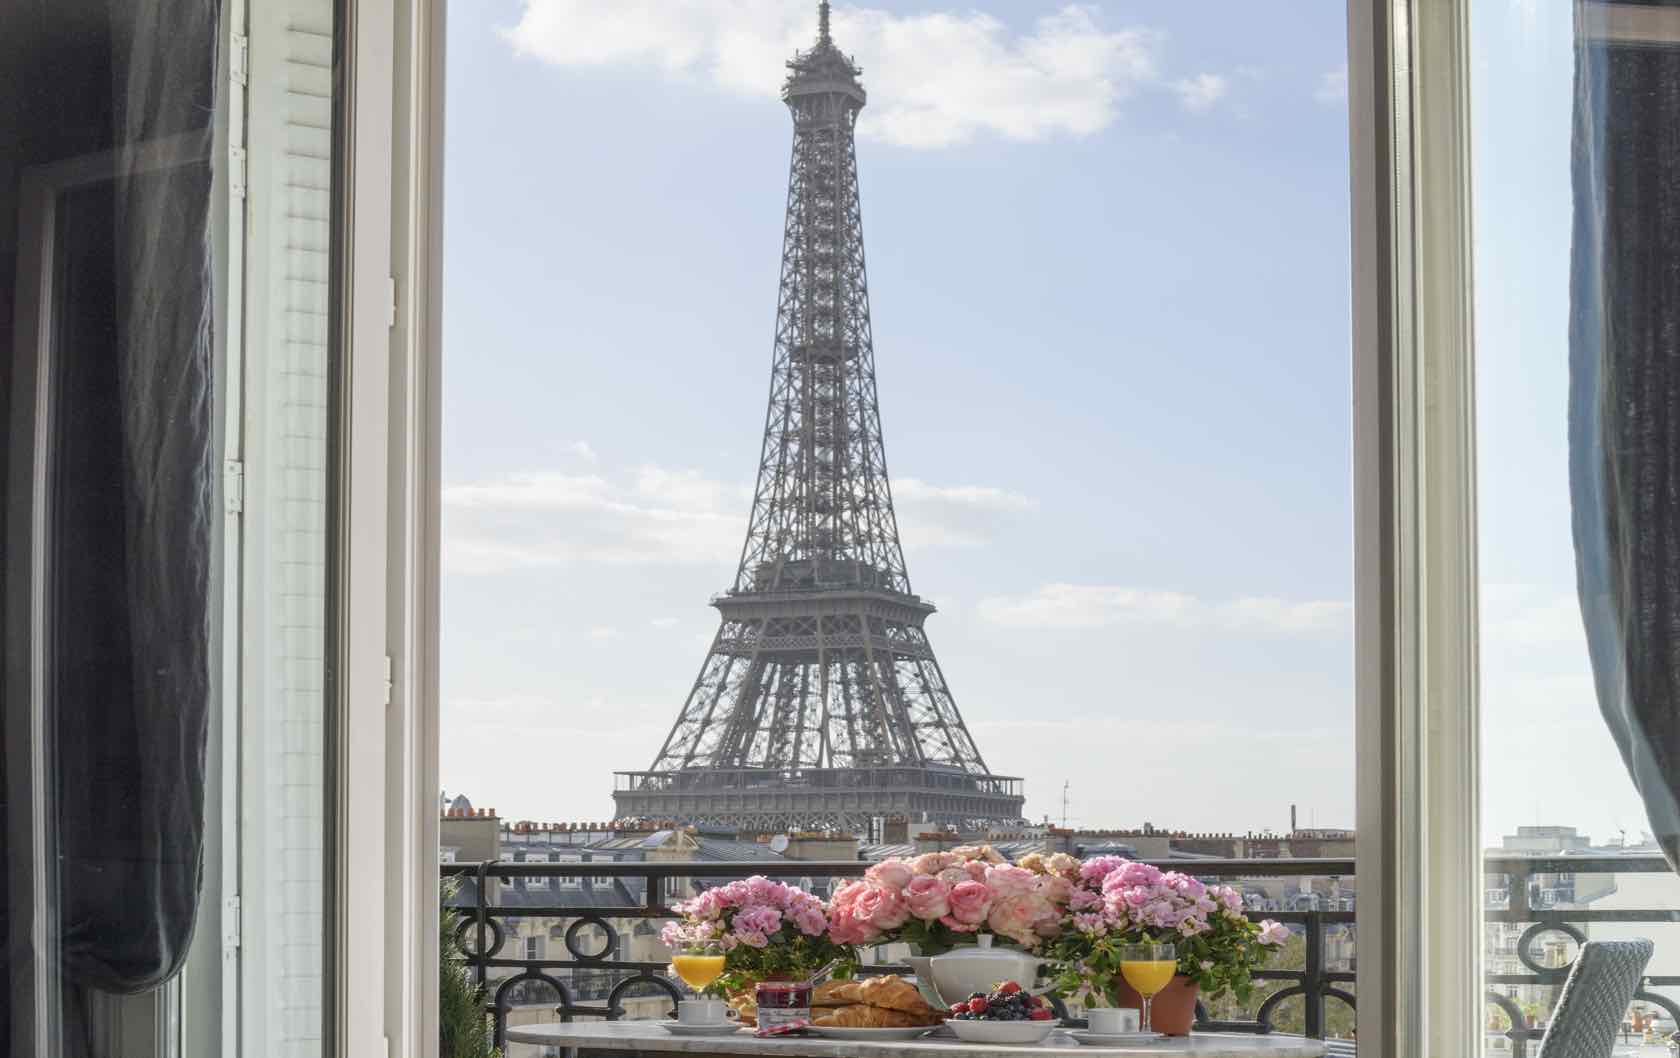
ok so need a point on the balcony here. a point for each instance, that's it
(597, 954)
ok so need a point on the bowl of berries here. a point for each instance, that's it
(1006, 1014)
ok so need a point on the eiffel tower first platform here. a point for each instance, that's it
(821, 704)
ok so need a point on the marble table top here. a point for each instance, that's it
(647, 1036)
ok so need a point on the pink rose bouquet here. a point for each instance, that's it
(766, 929)
(938, 900)
(1115, 901)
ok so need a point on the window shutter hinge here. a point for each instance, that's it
(391, 288)
(236, 171)
(230, 923)
(233, 485)
(240, 60)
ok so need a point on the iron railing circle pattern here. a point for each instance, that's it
(575, 930)
(1526, 957)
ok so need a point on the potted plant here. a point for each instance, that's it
(1116, 901)
(767, 930)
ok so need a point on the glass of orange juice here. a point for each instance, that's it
(699, 964)
(1148, 968)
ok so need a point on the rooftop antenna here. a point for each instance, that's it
(822, 23)
(1064, 781)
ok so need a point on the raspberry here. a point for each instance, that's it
(977, 1005)
(1009, 988)
(959, 1008)
(1039, 1014)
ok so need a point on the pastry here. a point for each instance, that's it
(836, 994)
(859, 1016)
(894, 993)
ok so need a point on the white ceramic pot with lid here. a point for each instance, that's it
(962, 971)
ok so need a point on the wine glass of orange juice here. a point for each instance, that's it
(1148, 968)
(699, 964)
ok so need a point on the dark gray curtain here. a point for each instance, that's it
(1624, 411)
(132, 740)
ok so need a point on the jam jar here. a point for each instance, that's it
(783, 1003)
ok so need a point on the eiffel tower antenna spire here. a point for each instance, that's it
(822, 23)
(820, 704)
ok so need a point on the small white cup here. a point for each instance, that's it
(701, 1011)
(1111, 1021)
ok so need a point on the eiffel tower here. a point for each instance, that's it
(821, 705)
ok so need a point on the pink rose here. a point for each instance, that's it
(976, 870)
(1014, 917)
(894, 874)
(1063, 864)
(845, 927)
(1007, 881)
(1273, 933)
(970, 902)
(953, 875)
(932, 862)
(882, 908)
(927, 898)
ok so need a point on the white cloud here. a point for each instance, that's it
(1075, 606)
(661, 515)
(583, 451)
(663, 622)
(1199, 93)
(935, 79)
(986, 497)
(602, 633)
(1332, 88)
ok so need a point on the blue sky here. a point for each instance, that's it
(1108, 254)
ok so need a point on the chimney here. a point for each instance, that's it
(1292, 827)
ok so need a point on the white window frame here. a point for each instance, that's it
(1418, 727)
(383, 845)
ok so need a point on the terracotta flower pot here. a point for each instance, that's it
(1174, 1008)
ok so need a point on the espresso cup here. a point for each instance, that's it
(1111, 1021)
(701, 1011)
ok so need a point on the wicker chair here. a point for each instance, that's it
(1595, 999)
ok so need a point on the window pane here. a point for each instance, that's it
(1571, 213)
(1096, 600)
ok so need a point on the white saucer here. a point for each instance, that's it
(1114, 1039)
(677, 1028)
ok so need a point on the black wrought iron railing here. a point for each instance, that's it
(1540, 895)
(589, 907)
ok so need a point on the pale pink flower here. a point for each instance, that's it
(882, 908)
(953, 874)
(1014, 917)
(1273, 933)
(970, 902)
(894, 874)
(928, 898)
(976, 870)
(932, 862)
(1063, 864)
(1007, 881)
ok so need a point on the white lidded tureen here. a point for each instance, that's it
(960, 972)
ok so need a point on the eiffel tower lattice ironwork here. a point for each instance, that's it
(820, 704)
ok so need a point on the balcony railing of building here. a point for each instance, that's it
(598, 983)
(1539, 894)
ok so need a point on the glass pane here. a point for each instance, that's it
(164, 272)
(1573, 210)
(1028, 526)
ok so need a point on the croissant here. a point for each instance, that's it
(836, 994)
(859, 1016)
(894, 993)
